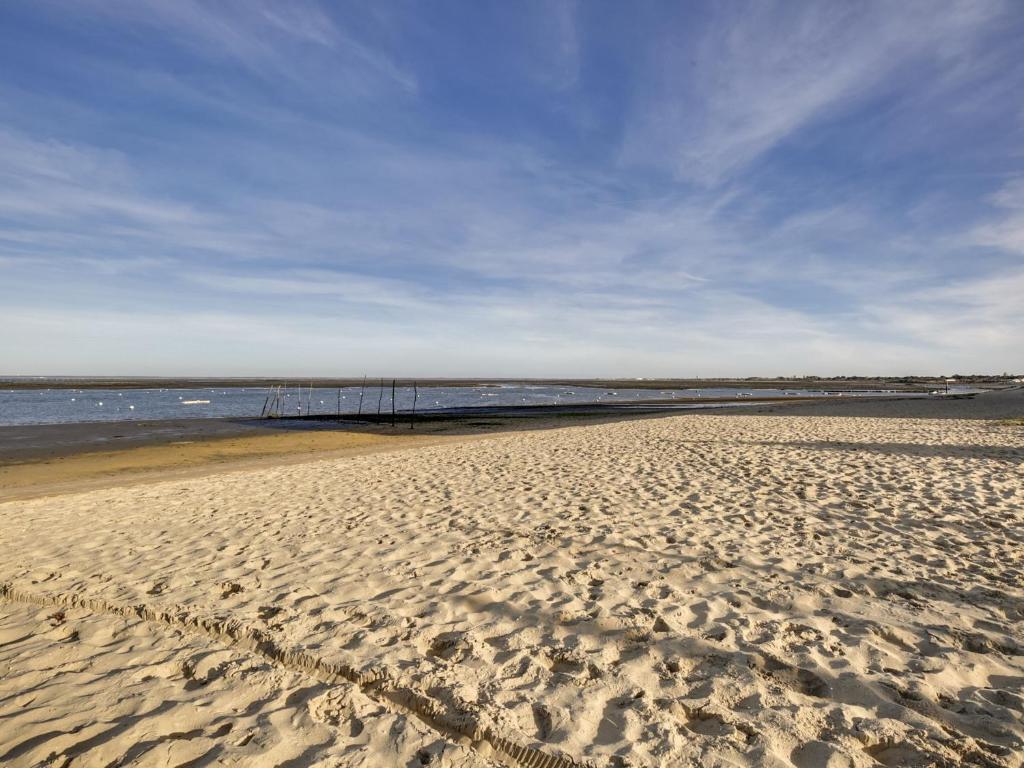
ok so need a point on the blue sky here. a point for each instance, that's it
(511, 189)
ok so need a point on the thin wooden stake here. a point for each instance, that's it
(263, 411)
(415, 397)
(392, 402)
(361, 391)
(380, 399)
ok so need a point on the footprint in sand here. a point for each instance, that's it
(229, 588)
(820, 754)
(450, 646)
(705, 722)
(795, 679)
(660, 625)
(542, 719)
(267, 612)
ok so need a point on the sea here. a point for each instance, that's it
(64, 405)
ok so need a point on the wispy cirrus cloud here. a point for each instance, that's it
(678, 275)
(759, 73)
(266, 38)
(1005, 230)
(464, 214)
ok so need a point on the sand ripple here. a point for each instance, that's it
(703, 590)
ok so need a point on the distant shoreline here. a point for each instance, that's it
(898, 383)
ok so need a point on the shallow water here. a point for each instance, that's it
(66, 406)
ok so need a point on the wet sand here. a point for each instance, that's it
(48, 459)
(53, 459)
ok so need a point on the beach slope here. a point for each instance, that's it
(752, 590)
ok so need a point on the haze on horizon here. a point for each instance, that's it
(546, 189)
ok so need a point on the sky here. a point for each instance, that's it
(511, 189)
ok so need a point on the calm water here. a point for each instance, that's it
(63, 406)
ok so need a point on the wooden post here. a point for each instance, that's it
(415, 397)
(361, 391)
(392, 402)
(380, 399)
(263, 411)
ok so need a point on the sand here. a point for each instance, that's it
(84, 467)
(757, 590)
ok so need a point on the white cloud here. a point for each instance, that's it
(302, 284)
(968, 325)
(267, 38)
(762, 71)
(435, 252)
(1007, 230)
(648, 288)
(556, 57)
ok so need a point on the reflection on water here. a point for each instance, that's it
(63, 406)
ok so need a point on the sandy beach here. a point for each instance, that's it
(749, 589)
(511, 385)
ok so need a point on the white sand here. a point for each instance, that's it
(697, 590)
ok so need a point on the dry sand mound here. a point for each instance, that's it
(697, 590)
